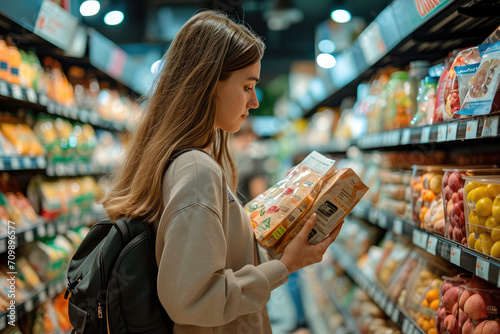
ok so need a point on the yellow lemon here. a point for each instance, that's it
(470, 186)
(493, 190)
(483, 207)
(471, 240)
(495, 209)
(487, 243)
(478, 246)
(495, 234)
(475, 195)
(491, 222)
(495, 250)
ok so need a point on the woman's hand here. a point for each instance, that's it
(299, 253)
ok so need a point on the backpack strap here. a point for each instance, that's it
(177, 154)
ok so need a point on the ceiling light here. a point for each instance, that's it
(113, 18)
(326, 60)
(341, 16)
(326, 46)
(90, 8)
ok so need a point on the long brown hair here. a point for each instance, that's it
(180, 112)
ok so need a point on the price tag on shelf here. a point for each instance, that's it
(43, 99)
(51, 230)
(426, 134)
(42, 296)
(59, 109)
(490, 127)
(420, 239)
(452, 131)
(41, 163)
(406, 323)
(28, 163)
(397, 226)
(15, 164)
(432, 243)
(382, 220)
(51, 107)
(442, 131)
(94, 118)
(62, 227)
(483, 268)
(3, 246)
(455, 254)
(389, 307)
(2, 165)
(383, 302)
(29, 236)
(372, 216)
(31, 95)
(4, 88)
(28, 305)
(471, 130)
(41, 231)
(74, 113)
(395, 315)
(17, 92)
(411, 329)
(406, 137)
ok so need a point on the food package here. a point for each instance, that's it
(338, 196)
(395, 252)
(23, 138)
(479, 308)
(451, 93)
(443, 80)
(448, 305)
(483, 96)
(426, 102)
(46, 131)
(398, 111)
(482, 214)
(465, 76)
(426, 189)
(274, 211)
(400, 279)
(453, 199)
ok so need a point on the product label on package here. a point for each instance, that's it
(318, 162)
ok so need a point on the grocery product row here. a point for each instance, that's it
(76, 94)
(36, 284)
(419, 292)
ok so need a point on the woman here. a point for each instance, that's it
(211, 279)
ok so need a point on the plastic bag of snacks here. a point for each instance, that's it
(443, 80)
(483, 96)
(453, 194)
(447, 313)
(482, 212)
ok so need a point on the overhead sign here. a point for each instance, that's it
(56, 25)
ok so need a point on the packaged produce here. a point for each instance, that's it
(449, 298)
(479, 309)
(482, 214)
(426, 102)
(399, 281)
(453, 194)
(483, 96)
(23, 139)
(274, 211)
(395, 252)
(439, 110)
(398, 110)
(426, 186)
(465, 76)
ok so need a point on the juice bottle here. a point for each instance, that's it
(14, 62)
(4, 61)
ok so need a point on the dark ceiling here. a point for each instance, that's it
(150, 23)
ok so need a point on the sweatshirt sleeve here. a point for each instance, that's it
(193, 285)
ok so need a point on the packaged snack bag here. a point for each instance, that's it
(465, 75)
(483, 96)
(273, 212)
(443, 79)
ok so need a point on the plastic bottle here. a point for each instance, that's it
(426, 102)
(14, 62)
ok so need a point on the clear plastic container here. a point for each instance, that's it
(449, 298)
(426, 183)
(398, 111)
(453, 188)
(482, 214)
(426, 102)
(479, 310)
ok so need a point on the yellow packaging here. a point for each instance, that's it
(273, 212)
(338, 196)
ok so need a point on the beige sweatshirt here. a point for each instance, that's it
(210, 277)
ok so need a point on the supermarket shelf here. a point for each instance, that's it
(48, 229)
(343, 310)
(477, 263)
(74, 169)
(479, 127)
(378, 295)
(29, 98)
(47, 291)
(22, 163)
(400, 34)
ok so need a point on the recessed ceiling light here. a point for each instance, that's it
(341, 16)
(326, 46)
(326, 60)
(113, 18)
(90, 8)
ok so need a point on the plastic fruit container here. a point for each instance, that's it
(479, 311)
(426, 184)
(482, 214)
(449, 298)
(453, 194)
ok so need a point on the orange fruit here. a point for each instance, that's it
(425, 303)
(434, 305)
(432, 331)
(431, 295)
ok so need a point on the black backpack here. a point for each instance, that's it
(112, 280)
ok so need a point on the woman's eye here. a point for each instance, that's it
(248, 89)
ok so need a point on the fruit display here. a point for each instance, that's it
(399, 281)
(482, 213)
(395, 252)
(448, 316)
(395, 192)
(453, 194)
(427, 208)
